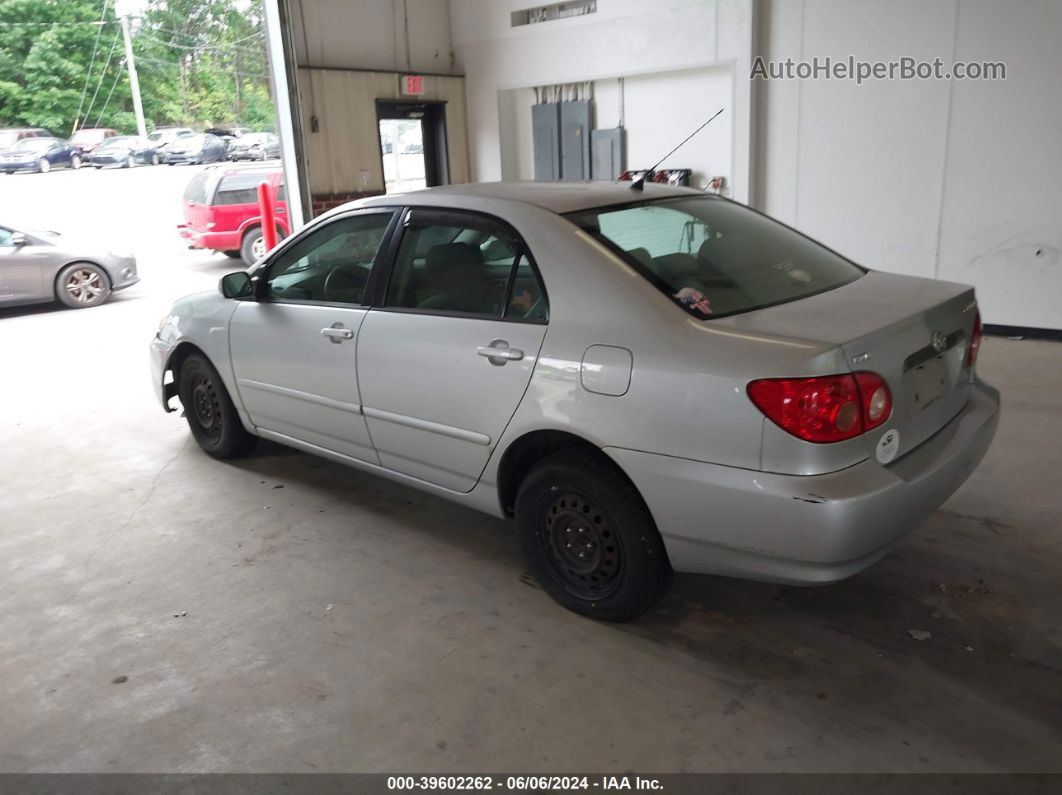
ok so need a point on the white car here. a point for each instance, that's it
(646, 380)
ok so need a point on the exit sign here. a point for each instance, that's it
(412, 85)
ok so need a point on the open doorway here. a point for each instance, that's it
(412, 144)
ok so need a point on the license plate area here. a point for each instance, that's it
(925, 384)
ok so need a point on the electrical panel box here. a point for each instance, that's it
(545, 140)
(607, 153)
(575, 140)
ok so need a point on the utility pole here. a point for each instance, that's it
(134, 83)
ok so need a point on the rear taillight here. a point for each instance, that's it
(975, 341)
(828, 408)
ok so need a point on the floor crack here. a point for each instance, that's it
(126, 523)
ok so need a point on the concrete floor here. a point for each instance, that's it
(164, 612)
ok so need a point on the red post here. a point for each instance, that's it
(269, 220)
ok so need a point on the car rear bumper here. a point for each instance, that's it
(806, 530)
(215, 241)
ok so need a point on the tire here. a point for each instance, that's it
(43, 166)
(208, 408)
(82, 284)
(253, 245)
(155, 159)
(75, 162)
(615, 566)
(234, 253)
(130, 162)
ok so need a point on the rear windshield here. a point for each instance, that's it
(714, 257)
(196, 190)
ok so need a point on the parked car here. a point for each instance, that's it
(716, 393)
(87, 139)
(36, 267)
(202, 148)
(255, 146)
(40, 155)
(11, 136)
(221, 210)
(125, 151)
(161, 136)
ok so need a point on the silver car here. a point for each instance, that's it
(646, 380)
(37, 267)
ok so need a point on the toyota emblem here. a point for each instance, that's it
(938, 342)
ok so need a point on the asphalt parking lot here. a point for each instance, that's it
(165, 612)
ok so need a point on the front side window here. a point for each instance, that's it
(331, 263)
(450, 263)
(716, 258)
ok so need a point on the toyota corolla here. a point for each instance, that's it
(646, 381)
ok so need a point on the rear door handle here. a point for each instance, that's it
(336, 333)
(498, 352)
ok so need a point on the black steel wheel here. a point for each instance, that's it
(211, 416)
(589, 538)
(582, 550)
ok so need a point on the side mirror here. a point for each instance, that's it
(19, 239)
(236, 285)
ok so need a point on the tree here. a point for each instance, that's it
(200, 63)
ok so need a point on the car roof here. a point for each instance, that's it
(559, 197)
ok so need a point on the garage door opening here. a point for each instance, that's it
(412, 145)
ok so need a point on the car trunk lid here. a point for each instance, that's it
(912, 332)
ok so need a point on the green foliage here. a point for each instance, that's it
(201, 63)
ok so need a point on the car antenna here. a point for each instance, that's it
(639, 183)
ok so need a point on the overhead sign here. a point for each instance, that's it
(412, 85)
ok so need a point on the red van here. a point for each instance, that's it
(221, 210)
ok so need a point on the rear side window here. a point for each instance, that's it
(470, 265)
(716, 258)
(195, 191)
(239, 189)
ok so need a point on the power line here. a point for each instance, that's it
(88, 74)
(110, 55)
(108, 101)
(100, 23)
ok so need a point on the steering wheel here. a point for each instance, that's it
(332, 283)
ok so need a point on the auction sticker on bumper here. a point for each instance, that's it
(888, 446)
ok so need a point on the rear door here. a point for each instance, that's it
(446, 358)
(294, 350)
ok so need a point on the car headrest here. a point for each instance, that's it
(676, 268)
(460, 257)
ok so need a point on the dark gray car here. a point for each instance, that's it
(37, 267)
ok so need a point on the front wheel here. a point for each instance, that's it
(82, 285)
(589, 537)
(130, 161)
(75, 162)
(155, 159)
(44, 166)
(211, 416)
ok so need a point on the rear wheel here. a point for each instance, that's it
(130, 161)
(75, 162)
(209, 410)
(155, 159)
(82, 285)
(589, 538)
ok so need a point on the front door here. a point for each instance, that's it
(23, 264)
(294, 350)
(444, 362)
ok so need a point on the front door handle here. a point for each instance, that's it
(498, 352)
(336, 333)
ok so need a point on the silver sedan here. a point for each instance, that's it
(37, 267)
(645, 380)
